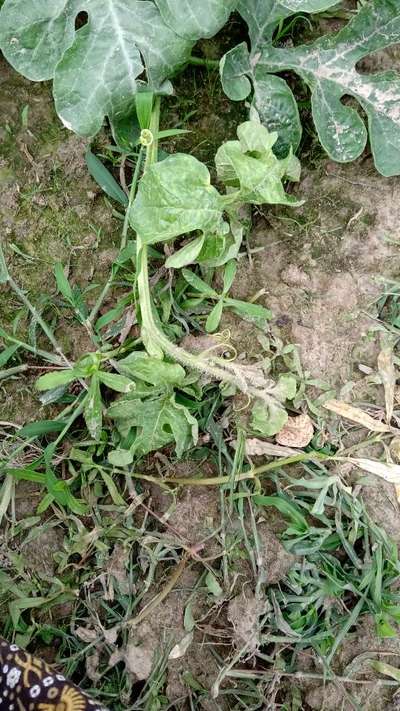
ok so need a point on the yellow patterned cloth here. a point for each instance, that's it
(28, 684)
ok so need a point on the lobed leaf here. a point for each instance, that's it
(328, 67)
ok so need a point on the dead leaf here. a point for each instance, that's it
(389, 472)
(86, 635)
(92, 667)
(354, 414)
(257, 447)
(298, 432)
(182, 647)
(388, 376)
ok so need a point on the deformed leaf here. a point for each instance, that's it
(176, 197)
(268, 419)
(214, 317)
(140, 366)
(93, 412)
(251, 166)
(159, 422)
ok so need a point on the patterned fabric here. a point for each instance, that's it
(28, 684)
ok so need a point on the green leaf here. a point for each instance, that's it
(285, 388)
(287, 508)
(63, 284)
(234, 68)
(140, 366)
(56, 378)
(250, 165)
(198, 283)
(175, 197)
(193, 19)
(186, 255)
(7, 354)
(270, 418)
(229, 275)
(104, 179)
(245, 309)
(36, 429)
(119, 383)
(277, 109)
(3, 268)
(214, 317)
(213, 585)
(159, 422)
(93, 412)
(97, 69)
(126, 130)
(120, 457)
(329, 67)
(144, 105)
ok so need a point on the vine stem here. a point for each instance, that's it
(154, 340)
(208, 63)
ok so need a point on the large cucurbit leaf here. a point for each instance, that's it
(158, 422)
(193, 19)
(176, 197)
(328, 66)
(96, 68)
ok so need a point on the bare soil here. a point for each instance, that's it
(321, 268)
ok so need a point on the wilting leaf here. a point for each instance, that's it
(140, 366)
(268, 419)
(388, 376)
(159, 422)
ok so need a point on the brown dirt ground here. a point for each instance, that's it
(321, 268)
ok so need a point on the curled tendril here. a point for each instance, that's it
(243, 407)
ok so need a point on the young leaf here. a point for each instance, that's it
(7, 354)
(140, 366)
(116, 382)
(229, 275)
(187, 255)
(63, 284)
(198, 283)
(56, 378)
(93, 412)
(175, 197)
(103, 177)
(250, 165)
(214, 317)
(159, 422)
